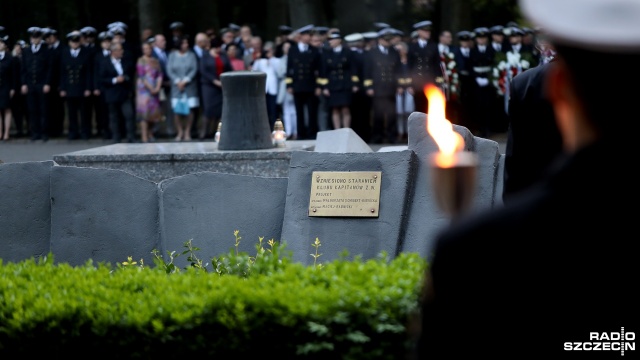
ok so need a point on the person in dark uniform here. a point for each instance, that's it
(533, 138)
(8, 86)
(303, 66)
(462, 57)
(56, 103)
(35, 73)
(537, 277)
(484, 93)
(118, 91)
(102, 110)
(361, 114)
(338, 80)
(76, 85)
(88, 43)
(424, 64)
(19, 100)
(382, 80)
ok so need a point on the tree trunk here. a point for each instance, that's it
(353, 16)
(304, 12)
(279, 16)
(206, 16)
(455, 15)
(149, 16)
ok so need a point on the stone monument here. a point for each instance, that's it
(244, 112)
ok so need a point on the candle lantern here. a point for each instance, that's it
(452, 170)
(216, 137)
(278, 136)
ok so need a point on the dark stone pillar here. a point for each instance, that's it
(244, 112)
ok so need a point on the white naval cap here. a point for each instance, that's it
(354, 37)
(370, 35)
(305, 29)
(176, 25)
(600, 25)
(424, 25)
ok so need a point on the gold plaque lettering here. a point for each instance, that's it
(345, 193)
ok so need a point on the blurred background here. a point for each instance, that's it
(263, 16)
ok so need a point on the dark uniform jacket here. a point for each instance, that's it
(533, 141)
(36, 67)
(116, 93)
(92, 50)
(424, 64)
(382, 72)
(75, 72)
(303, 69)
(338, 71)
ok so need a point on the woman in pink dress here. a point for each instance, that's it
(148, 85)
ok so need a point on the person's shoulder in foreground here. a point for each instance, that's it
(539, 275)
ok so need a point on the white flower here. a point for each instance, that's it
(501, 66)
(513, 58)
(453, 88)
(450, 55)
(455, 76)
(524, 64)
(451, 65)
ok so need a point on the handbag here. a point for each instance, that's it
(181, 106)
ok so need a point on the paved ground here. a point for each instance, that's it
(23, 149)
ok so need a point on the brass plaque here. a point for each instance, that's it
(345, 193)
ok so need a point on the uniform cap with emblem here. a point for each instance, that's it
(176, 25)
(234, 27)
(601, 25)
(386, 33)
(88, 31)
(117, 30)
(49, 32)
(464, 35)
(370, 35)
(22, 43)
(423, 25)
(381, 25)
(355, 37)
(74, 35)
(4, 38)
(481, 32)
(497, 29)
(305, 29)
(117, 24)
(34, 31)
(334, 35)
(150, 40)
(285, 30)
(105, 35)
(515, 31)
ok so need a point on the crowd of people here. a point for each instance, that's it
(96, 84)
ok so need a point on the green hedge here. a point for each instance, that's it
(347, 308)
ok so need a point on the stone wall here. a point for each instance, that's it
(107, 215)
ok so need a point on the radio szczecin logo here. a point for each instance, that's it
(612, 341)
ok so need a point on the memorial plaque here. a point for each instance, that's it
(345, 193)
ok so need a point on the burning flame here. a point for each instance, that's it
(449, 142)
